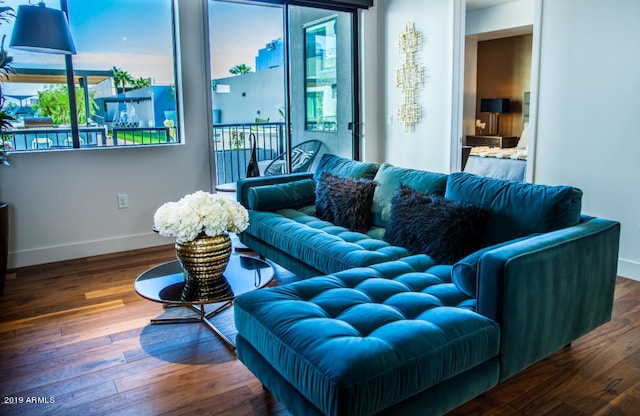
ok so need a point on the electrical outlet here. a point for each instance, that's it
(123, 201)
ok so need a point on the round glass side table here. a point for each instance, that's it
(164, 284)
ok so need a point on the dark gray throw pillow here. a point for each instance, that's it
(345, 202)
(445, 230)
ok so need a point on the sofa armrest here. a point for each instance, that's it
(548, 290)
(245, 184)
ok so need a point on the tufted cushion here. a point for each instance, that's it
(320, 244)
(516, 209)
(345, 201)
(282, 195)
(345, 168)
(389, 178)
(358, 341)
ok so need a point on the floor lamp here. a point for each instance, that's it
(495, 106)
(38, 28)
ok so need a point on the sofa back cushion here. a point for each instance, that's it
(389, 178)
(516, 209)
(345, 168)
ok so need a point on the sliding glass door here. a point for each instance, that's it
(321, 78)
(282, 86)
(247, 53)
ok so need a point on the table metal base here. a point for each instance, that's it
(202, 317)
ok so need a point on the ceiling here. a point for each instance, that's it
(479, 4)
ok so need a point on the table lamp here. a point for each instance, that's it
(495, 106)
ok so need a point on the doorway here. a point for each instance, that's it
(501, 60)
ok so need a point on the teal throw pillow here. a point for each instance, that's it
(389, 178)
(345, 168)
(284, 195)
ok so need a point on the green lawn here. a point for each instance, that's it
(143, 137)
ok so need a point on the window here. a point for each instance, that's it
(123, 79)
(321, 76)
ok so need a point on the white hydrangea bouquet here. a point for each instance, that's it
(200, 213)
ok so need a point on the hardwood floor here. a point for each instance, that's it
(76, 340)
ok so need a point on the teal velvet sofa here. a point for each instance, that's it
(375, 328)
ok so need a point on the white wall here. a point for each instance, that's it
(588, 114)
(64, 203)
(428, 145)
(470, 86)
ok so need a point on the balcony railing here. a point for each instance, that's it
(232, 142)
(53, 138)
(43, 138)
(232, 147)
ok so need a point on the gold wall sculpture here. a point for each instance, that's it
(409, 77)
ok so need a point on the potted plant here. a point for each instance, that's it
(5, 123)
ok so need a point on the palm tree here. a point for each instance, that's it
(121, 77)
(140, 83)
(240, 69)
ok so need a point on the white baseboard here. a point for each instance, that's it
(629, 269)
(77, 250)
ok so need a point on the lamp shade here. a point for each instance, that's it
(494, 105)
(41, 29)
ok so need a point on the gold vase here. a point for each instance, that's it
(204, 261)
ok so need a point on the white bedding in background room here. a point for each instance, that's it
(513, 169)
(506, 163)
(496, 162)
(498, 153)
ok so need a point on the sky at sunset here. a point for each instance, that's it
(135, 35)
(238, 31)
